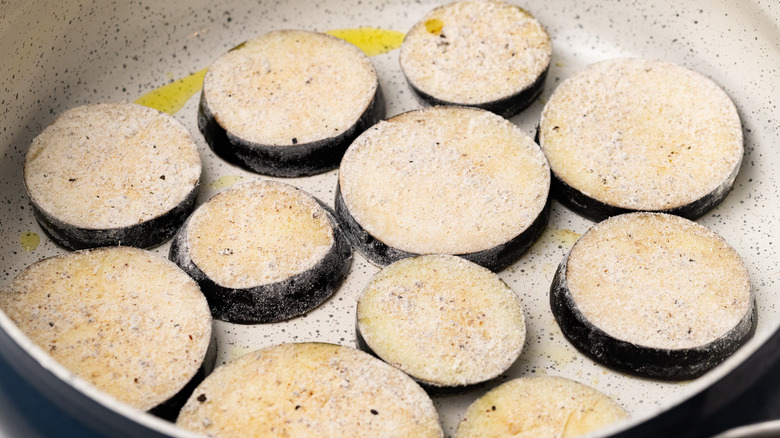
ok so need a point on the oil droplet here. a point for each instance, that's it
(225, 181)
(29, 241)
(559, 237)
(370, 40)
(434, 26)
(561, 356)
(233, 352)
(172, 97)
(566, 237)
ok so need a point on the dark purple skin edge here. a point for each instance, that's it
(290, 160)
(506, 107)
(598, 211)
(169, 410)
(495, 259)
(654, 363)
(274, 302)
(142, 235)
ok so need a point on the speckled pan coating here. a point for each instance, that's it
(132, 48)
(299, 153)
(282, 298)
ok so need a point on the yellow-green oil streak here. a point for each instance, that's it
(172, 97)
(370, 40)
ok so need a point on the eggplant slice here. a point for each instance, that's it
(127, 321)
(447, 322)
(484, 54)
(289, 102)
(310, 390)
(629, 135)
(444, 180)
(541, 407)
(263, 251)
(112, 174)
(654, 295)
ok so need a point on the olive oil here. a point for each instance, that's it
(225, 181)
(434, 26)
(171, 98)
(370, 40)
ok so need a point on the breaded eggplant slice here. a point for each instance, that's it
(641, 135)
(289, 102)
(125, 320)
(444, 180)
(654, 295)
(263, 251)
(447, 322)
(310, 390)
(485, 54)
(539, 407)
(112, 174)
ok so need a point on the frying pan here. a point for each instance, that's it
(57, 55)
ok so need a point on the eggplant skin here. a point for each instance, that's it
(289, 160)
(273, 302)
(169, 409)
(145, 234)
(495, 259)
(505, 107)
(598, 211)
(654, 363)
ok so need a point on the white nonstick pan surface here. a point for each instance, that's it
(57, 55)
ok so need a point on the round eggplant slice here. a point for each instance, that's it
(539, 407)
(130, 323)
(289, 102)
(444, 180)
(654, 295)
(112, 174)
(485, 54)
(310, 390)
(641, 135)
(447, 322)
(263, 251)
